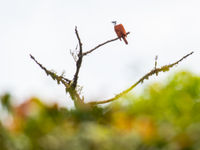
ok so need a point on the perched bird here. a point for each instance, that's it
(120, 31)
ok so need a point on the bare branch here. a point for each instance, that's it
(66, 82)
(74, 90)
(156, 61)
(85, 53)
(79, 61)
(53, 75)
(154, 71)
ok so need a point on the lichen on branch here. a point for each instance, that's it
(141, 80)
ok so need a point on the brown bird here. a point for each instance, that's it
(120, 31)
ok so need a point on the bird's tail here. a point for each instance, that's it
(124, 38)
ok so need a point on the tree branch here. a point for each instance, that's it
(85, 53)
(78, 101)
(79, 61)
(53, 75)
(154, 71)
(71, 85)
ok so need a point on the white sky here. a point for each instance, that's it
(45, 28)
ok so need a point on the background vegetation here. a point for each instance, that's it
(165, 116)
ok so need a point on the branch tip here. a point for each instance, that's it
(79, 60)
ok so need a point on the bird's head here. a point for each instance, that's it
(114, 22)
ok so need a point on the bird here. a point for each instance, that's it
(120, 31)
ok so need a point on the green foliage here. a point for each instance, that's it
(165, 116)
(177, 101)
(5, 101)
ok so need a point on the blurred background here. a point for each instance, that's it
(166, 115)
(45, 29)
(163, 113)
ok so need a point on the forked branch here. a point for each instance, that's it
(66, 82)
(81, 54)
(154, 71)
(71, 85)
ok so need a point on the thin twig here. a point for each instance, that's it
(85, 53)
(53, 75)
(154, 71)
(79, 61)
(156, 61)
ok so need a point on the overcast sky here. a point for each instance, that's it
(45, 28)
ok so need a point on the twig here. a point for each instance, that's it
(79, 61)
(154, 71)
(74, 55)
(156, 62)
(85, 53)
(156, 59)
(53, 75)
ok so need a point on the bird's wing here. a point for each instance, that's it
(119, 29)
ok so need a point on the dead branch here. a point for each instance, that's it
(53, 75)
(66, 82)
(156, 60)
(85, 53)
(71, 85)
(154, 71)
(79, 61)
